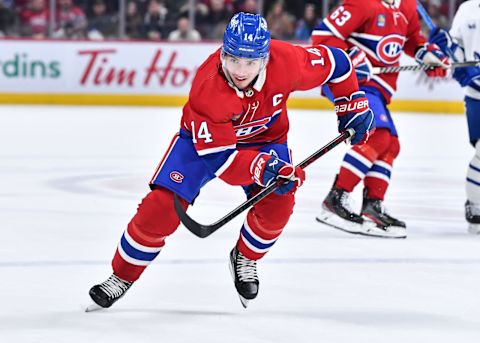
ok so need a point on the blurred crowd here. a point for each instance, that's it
(166, 19)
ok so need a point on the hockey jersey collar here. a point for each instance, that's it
(258, 85)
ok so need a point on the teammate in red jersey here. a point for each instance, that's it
(234, 126)
(375, 33)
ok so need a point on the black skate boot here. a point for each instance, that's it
(472, 215)
(337, 202)
(373, 210)
(244, 274)
(108, 292)
(337, 213)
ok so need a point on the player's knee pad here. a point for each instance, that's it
(156, 216)
(392, 152)
(376, 145)
(272, 213)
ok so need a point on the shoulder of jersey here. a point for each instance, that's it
(471, 5)
(280, 49)
(210, 93)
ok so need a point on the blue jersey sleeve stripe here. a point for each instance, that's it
(343, 66)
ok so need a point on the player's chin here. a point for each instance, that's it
(241, 84)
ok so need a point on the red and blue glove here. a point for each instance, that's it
(431, 54)
(353, 112)
(266, 169)
(363, 67)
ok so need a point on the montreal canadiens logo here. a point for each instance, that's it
(389, 48)
(176, 177)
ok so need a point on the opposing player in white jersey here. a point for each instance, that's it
(463, 44)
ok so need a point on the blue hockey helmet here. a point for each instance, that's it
(247, 36)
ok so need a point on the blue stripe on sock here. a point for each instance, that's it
(380, 169)
(472, 181)
(474, 168)
(356, 163)
(253, 241)
(135, 253)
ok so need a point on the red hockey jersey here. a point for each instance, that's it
(220, 116)
(225, 120)
(383, 31)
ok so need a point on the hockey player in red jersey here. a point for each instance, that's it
(374, 32)
(234, 127)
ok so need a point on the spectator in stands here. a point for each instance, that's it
(280, 22)
(102, 24)
(307, 23)
(134, 20)
(248, 6)
(34, 19)
(200, 13)
(438, 18)
(217, 18)
(154, 20)
(8, 19)
(184, 32)
(71, 20)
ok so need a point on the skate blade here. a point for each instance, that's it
(93, 307)
(368, 228)
(243, 301)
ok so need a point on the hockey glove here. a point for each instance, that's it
(353, 112)
(431, 54)
(266, 169)
(363, 67)
(443, 40)
(466, 75)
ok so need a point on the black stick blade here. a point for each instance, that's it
(197, 229)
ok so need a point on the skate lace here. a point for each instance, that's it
(345, 201)
(246, 269)
(114, 286)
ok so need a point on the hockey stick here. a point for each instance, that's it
(203, 231)
(426, 18)
(417, 67)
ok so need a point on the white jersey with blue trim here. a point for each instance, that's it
(465, 31)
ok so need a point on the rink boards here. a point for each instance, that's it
(157, 74)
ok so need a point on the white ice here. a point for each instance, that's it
(71, 178)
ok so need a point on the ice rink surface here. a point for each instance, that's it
(71, 178)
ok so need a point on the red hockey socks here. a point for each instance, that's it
(145, 235)
(264, 224)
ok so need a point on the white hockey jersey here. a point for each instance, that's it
(465, 31)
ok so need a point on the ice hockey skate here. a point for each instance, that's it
(108, 292)
(336, 212)
(472, 215)
(244, 274)
(374, 211)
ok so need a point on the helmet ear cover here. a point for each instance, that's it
(247, 36)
